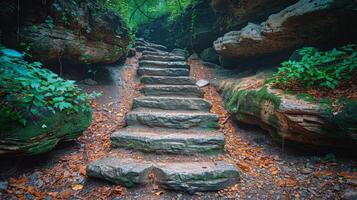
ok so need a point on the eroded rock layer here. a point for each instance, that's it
(317, 22)
(76, 32)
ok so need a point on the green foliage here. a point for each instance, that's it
(137, 12)
(318, 69)
(26, 90)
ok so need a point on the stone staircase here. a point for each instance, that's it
(172, 121)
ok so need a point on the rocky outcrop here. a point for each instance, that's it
(38, 109)
(204, 20)
(288, 118)
(74, 32)
(209, 55)
(43, 134)
(317, 22)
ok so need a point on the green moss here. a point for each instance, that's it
(42, 135)
(305, 97)
(249, 101)
(343, 123)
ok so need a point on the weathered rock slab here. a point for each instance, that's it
(163, 58)
(168, 142)
(172, 103)
(163, 71)
(168, 80)
(286, 116)
(193, 177)
(142, 42)
(172, 90)
(186, 176)
(163, 64)
(287, 30)
(172, 119)
(128, 173)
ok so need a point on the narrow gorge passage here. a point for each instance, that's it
(170, 118)
(178, 99)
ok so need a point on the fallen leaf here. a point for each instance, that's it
(274, 172)
(159, 193)
(118, 190)
(77, 187)
(66, 194)
(348, 175)
(82, 170)
(324, 173)
(53, 194)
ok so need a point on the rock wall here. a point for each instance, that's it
(286, 117)
(320, 23)
(74, 32)
(204, 20)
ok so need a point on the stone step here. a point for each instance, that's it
(163, 71)
(157, 53)
(172, 119)
(172, 90)
(163, 58)
(176, 142)
(149, 48)
(168, 80)
(183, 176)
(162, 64)
(149, 44)
(172, 103)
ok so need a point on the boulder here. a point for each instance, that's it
(44, 133)
(329, 25)
(74, 32)
(209, 55)
(287, 117)
(38, 108)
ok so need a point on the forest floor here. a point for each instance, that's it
(268, 170)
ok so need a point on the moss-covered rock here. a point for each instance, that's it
(287, 117)
(37, 107)
(43, 134)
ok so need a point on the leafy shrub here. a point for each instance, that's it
(26, 89)
(318, 69)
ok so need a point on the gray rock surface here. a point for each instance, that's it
(288, 30)
(186, 176)
(192, 177)
(168, 80)
(209, 55)
(202, 83)
(172, 119)
(163, 64)
(163, 58)
(169, 142)
(163, 72)
(172, 90)
(349, 195)
(126, 172)
(172, 103)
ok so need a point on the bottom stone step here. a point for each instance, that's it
(184, 176)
